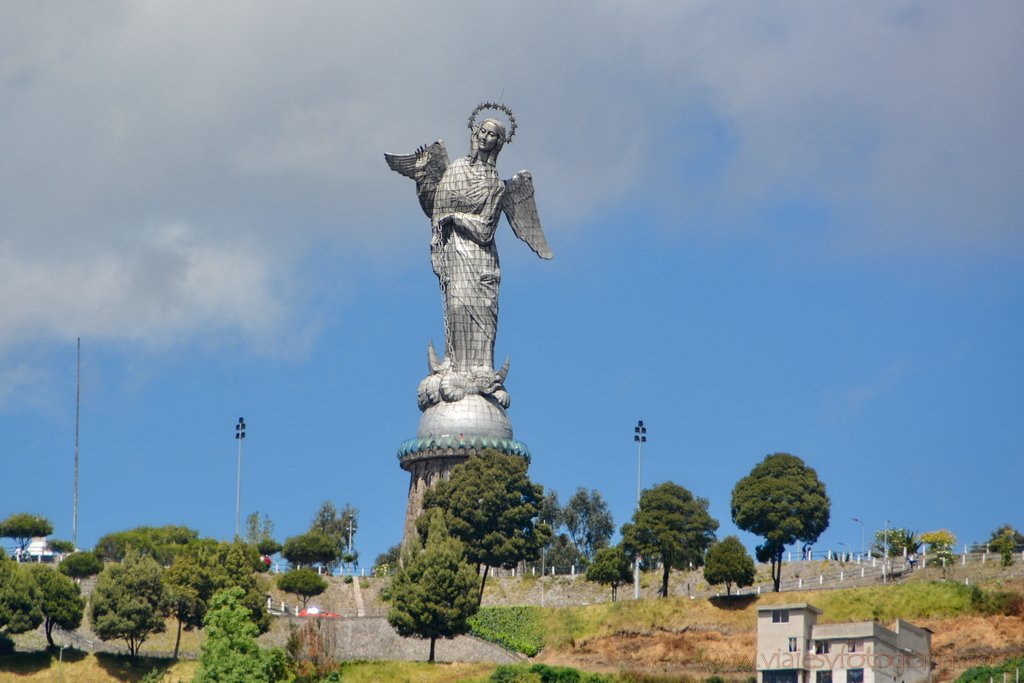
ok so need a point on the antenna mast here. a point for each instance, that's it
(78, 403)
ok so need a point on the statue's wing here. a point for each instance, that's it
(521, 210)
(426, 166)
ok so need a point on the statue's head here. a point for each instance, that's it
(487, 140)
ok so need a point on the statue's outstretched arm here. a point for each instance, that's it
(426, 166)
(521, 209)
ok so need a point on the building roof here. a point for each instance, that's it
(853, 629)
(795, 605)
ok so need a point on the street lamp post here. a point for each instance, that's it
(240, 436)
(862, 548)
(640, 437)
(885, 551)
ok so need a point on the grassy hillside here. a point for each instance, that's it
(566, 626)
(672, 639)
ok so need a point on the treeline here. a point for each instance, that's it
(489, 514)
(147, 577)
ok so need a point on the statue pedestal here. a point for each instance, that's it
(448, 434)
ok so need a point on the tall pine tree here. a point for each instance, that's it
(434, 595)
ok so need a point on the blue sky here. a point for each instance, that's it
(789, 227)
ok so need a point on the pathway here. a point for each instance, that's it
(360, 610)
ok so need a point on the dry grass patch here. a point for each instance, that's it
(418, 672)
(87, 668)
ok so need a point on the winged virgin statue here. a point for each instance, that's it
(464, 200)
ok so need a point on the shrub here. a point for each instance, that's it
(519, 629)
(996, 602)
(984, 674)
(81, 565)
(513, 674)
(543, 673)
(561, 674)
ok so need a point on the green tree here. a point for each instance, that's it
(672, 527)
(20, 604)
(161, 543)
(940, 547)
(59, 546)
(1005, 540)
(311, 548)
(549, 511)
(1004, 546)
(783, 501)
(1016, 537)
(896, 542)
(491, 505)
(128, 600)
(728, 562)
(588, 520)
(303, 582)
(339, 526)
(23, 528)
(561, 554)
(231, 653)
(81, 565)
(255, 531)
(60, 600)
(201, 569)
(558, 550)
(910, 542)
(433, 595)
(388, 560)
(610, 566)
(182, 602)
(260, 535)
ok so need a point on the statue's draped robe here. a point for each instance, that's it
(465, 260)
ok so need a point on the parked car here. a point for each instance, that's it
(317, 612)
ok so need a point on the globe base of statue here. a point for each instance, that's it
(474, 414)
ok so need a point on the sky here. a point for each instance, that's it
(778, 227)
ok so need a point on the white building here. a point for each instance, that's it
(38, 550)
(793, 648)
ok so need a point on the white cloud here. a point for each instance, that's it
(898, 116)
(251, 132)
(165, 286)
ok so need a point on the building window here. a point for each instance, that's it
(855, 676)
(823, 677)
(856, 646)
(792, 644)
(821, 647)
(780, 616)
